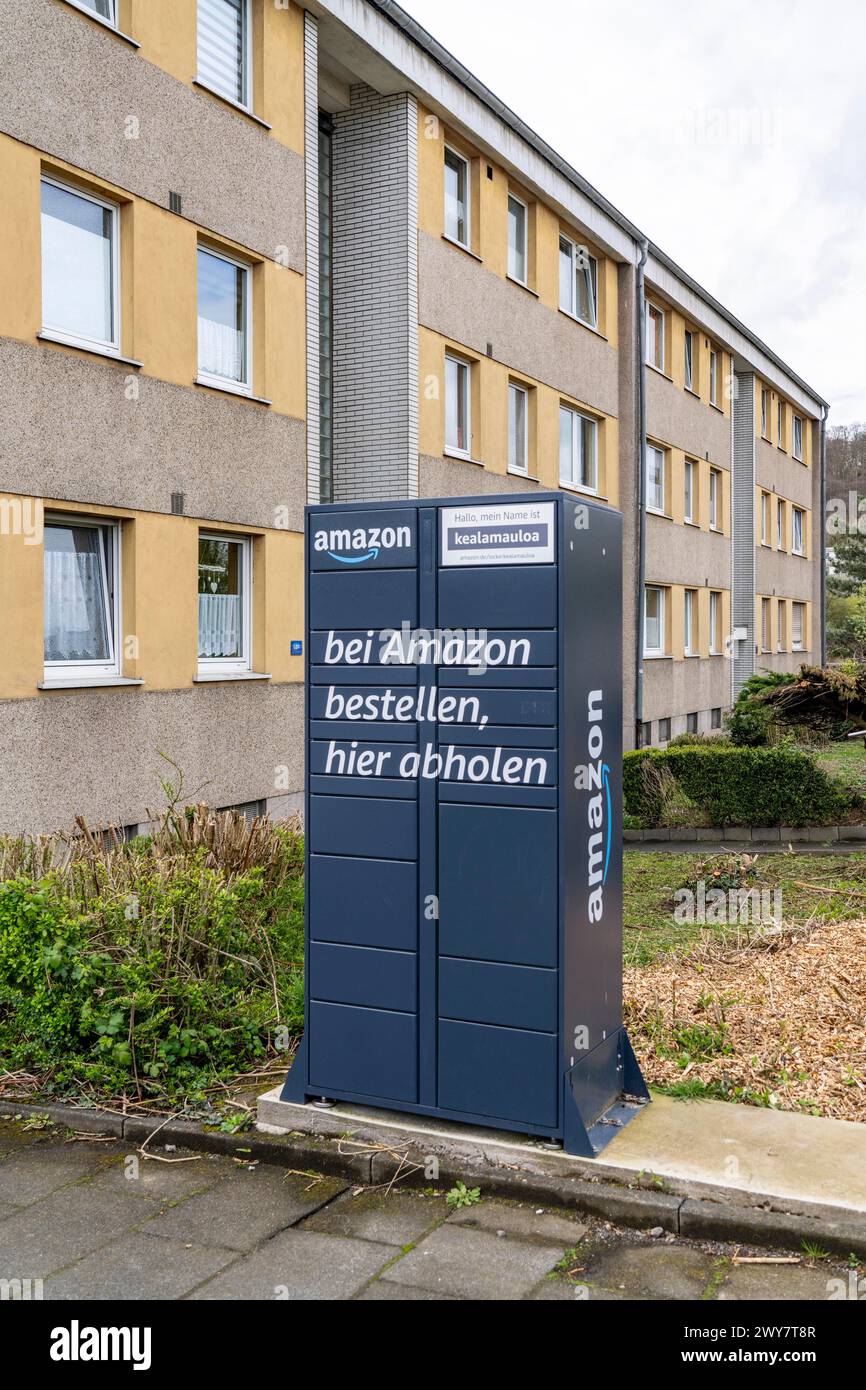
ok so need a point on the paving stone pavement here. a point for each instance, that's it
(97, 1220)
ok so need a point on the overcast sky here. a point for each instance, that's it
(733, 132)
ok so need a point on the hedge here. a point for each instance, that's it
(733, 785)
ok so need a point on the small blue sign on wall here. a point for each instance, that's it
(463, 813)
(297, 648)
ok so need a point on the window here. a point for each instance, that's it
(780, 424)
(780, 524)
(654, 621)
(105, 9)
(765, 624)
(798, 626)
(456, 197)
(655, 336)
(797, 443)
(578, 450)
(578, 282)
(516, 239)
(690, 624)
(224, 322)
(692, 723)
(664, 730)
(716, 717)
(715, 490)
(224, 608)
(689, 491)
(223, 40)
(518, 435)
(714, 377)
(646, 734)
(80, 268)
(655, 479)
(797, 518)
(765, 518)
(715, 621)
(458, 406)
(689, 362)
(81, 600)
(765, 412)
(781, 634)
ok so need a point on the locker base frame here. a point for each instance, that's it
(590, 1118)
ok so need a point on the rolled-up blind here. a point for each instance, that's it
(222, 43)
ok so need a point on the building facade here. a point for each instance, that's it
(256, 253)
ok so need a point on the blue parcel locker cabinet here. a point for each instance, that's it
(463, 814)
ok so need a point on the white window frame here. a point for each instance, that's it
(227, 383)
(780, 424)
(765, 518)
(798, 611)
(690, 472)
(715, 616)
(219, 665)
(94, 14)
(246, 104)
(467, 197)
(590, 273)
(765, 411)
(454, 449)
(662, 593)
(514, 390)
(797, 437)
(650, 506)
(512, 273)
(781, 626)
(798, 515)
(689, 359)
(766, 625)
(574, 483)
(93, 670)
(715, 477)
(107, 346)
(690, 606)
(652, 308)
(781, 524)
(714, 376)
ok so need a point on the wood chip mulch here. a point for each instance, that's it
(781, 1015)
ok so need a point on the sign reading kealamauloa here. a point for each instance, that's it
(498, 533)
(464, 717)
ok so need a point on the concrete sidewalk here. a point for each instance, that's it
(92, 1218)
(706, 1168)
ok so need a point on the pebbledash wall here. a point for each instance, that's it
(328, 184)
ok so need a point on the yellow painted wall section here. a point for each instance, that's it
(490, 417)
(158, 285)
(159, 592)
(21, 567)
(20, 233)
(166, 32)
(489, 222)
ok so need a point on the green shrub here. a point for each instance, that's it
(734, 785)
(155, 968)
(748, 724)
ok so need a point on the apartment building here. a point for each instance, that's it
(255, 253)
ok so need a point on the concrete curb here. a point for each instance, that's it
(737, 835)
(687, 1209)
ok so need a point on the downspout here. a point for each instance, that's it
(822, 454)
(641, 491)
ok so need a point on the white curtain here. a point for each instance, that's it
(220, 350)
(75, 617)
(219, 625)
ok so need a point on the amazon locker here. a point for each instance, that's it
(463, 815)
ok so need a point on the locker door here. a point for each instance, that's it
(362, 830)
(497, 863)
